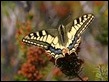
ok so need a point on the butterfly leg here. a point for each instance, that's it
(55, 62)
(75, 53)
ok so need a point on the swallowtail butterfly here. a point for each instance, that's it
(64, 39)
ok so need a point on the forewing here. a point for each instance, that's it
(76, 28)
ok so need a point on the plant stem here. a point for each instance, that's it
(80, 77)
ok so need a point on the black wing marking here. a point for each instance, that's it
(78, 26)
(44, 39)
(49, 39)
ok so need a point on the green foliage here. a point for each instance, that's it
(88, 70)
(101, 73)
(20, 78)
(30, 17)
(7, 5)
(94, 73)
(103, 31)
(103, 37)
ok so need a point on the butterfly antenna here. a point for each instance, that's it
(75, 53)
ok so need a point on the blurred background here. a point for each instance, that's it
(19, 18)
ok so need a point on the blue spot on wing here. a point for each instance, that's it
(71, 45)
(56, 51)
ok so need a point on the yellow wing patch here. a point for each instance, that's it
(55, 40)
(49, 39)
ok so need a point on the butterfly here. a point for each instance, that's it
(64, 39)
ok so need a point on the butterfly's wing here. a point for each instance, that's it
(75, 29)
(48, 39)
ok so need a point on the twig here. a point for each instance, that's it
(80, 77)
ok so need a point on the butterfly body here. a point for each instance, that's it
(64, 39)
